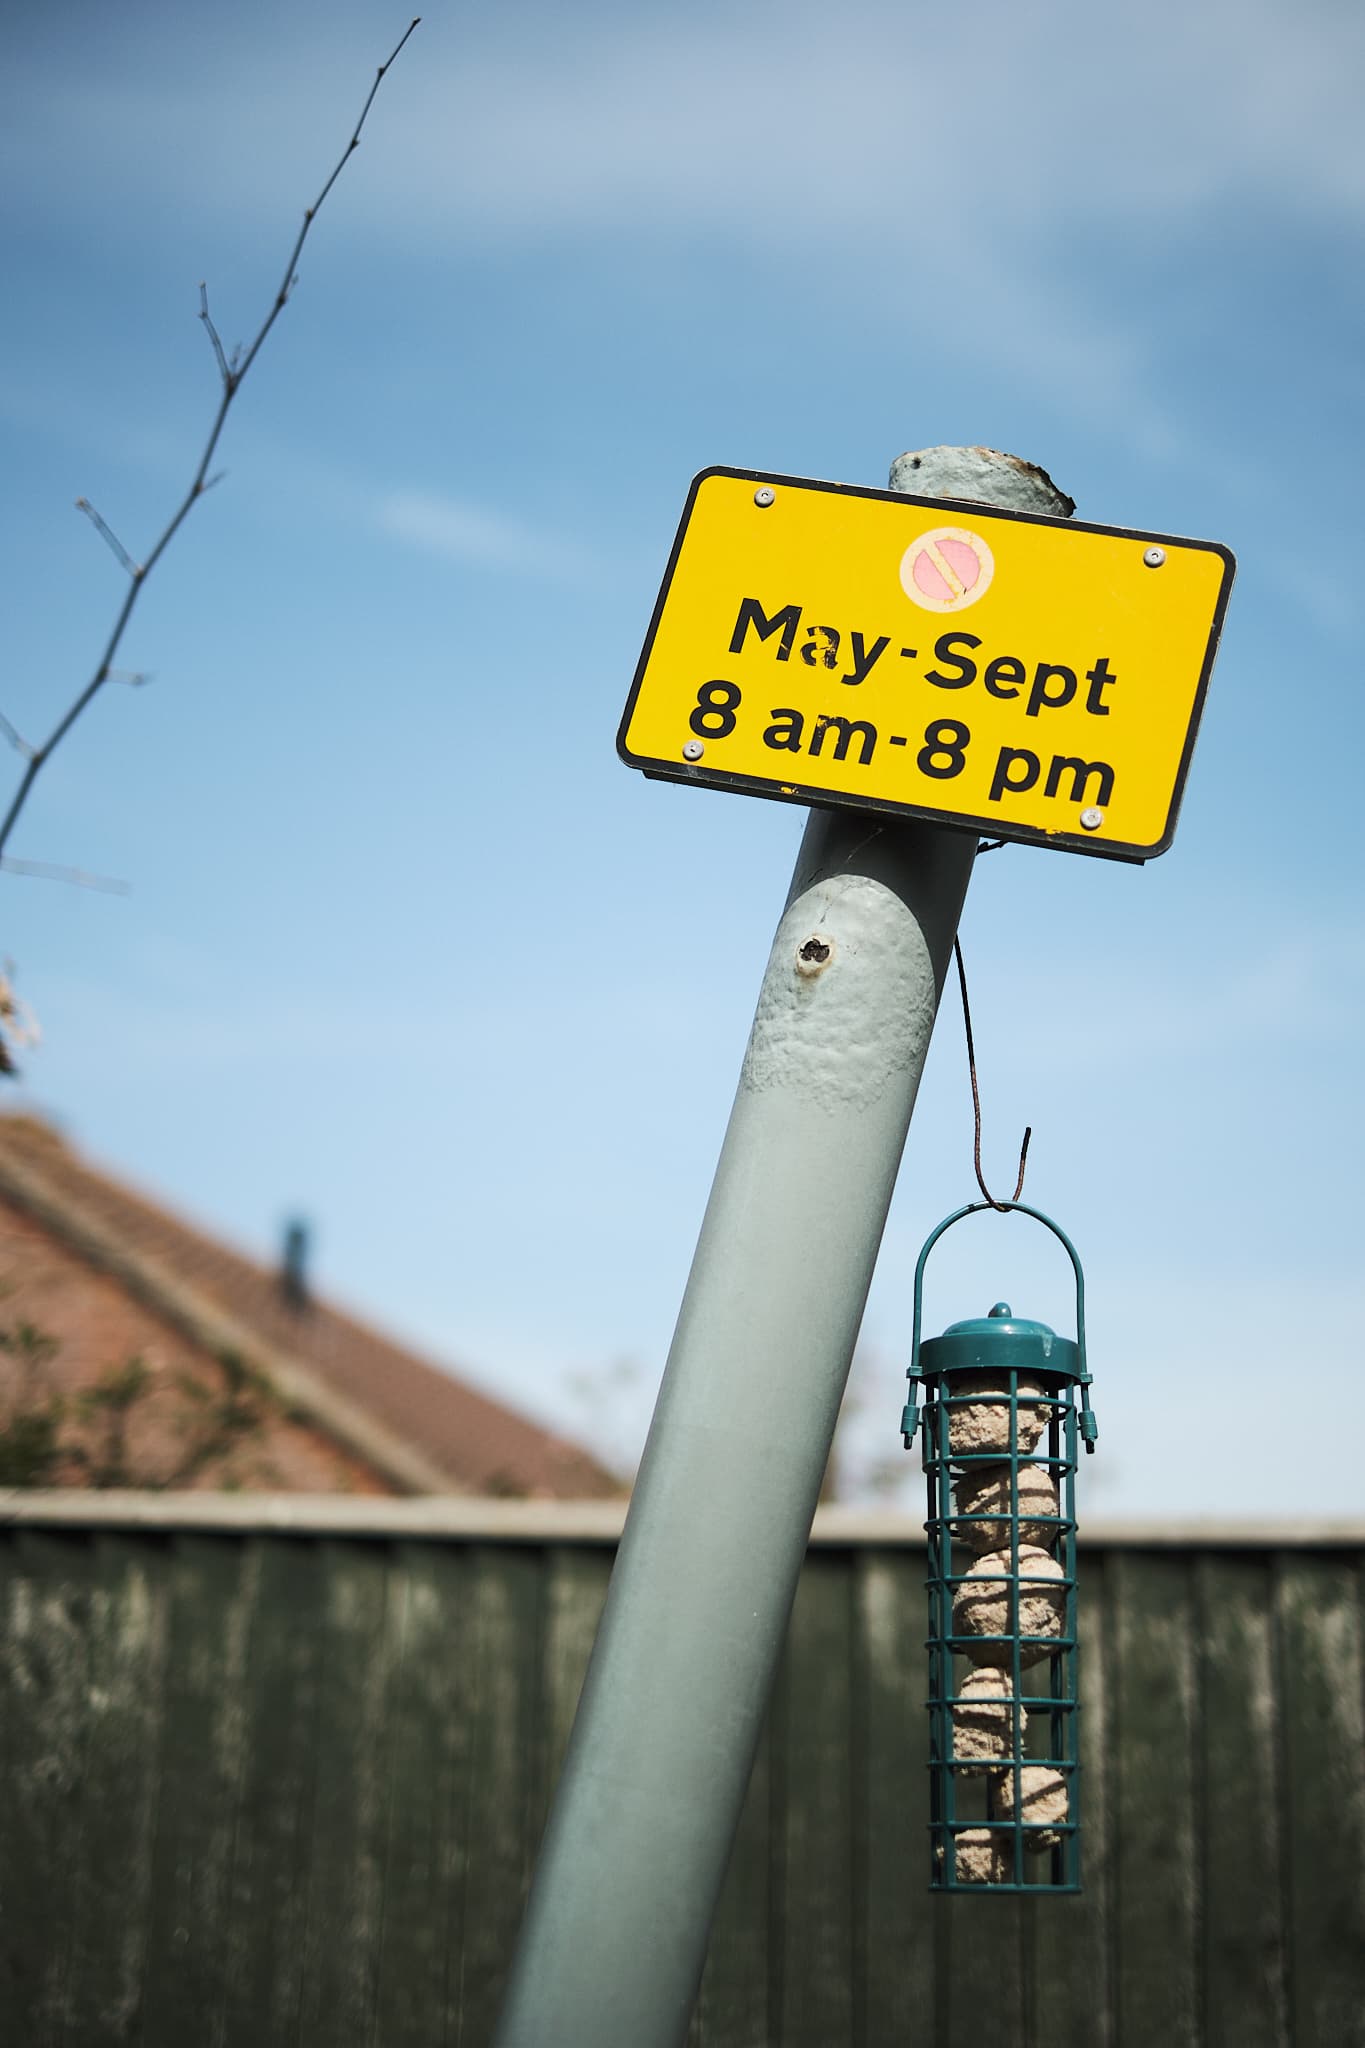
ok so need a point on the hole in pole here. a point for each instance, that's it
(814, 954)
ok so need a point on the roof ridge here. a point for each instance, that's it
(425, 1427)
(213, 1329)
(38, 1129)
(58, 1150)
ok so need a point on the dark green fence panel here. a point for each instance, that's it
(210, 1588)
(426, 1756)
(1240, 1786)
(1154, 1852)
(894, 1960)
(1318, 1613)
(1072, 1954)
(271, 1787)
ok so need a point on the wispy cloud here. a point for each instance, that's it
(1257, 998)
(782, 118)
(847, 161)
(788, 118)
(475, 535)
(1295, 994)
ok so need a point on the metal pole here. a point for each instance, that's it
(612, 1948)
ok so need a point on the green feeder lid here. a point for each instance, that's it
(1001, 1340)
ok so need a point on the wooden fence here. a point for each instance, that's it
(276, 1774)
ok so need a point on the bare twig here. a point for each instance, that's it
(212, 332)
(106, 532)
(231, 374)
(15, 737)
(52, 871)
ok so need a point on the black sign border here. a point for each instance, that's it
(791, 792)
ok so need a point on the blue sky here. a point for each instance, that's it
(405, 949)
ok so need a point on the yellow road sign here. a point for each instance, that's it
(1025, 677)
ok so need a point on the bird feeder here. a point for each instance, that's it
(1006, 1402)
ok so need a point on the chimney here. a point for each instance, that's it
(294, 1264)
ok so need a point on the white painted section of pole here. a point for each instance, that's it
(611, 1952)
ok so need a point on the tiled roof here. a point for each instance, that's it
(424, 1429)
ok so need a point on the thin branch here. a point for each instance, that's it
(232, 375)
(212, 333)
(51, 871)
(106, 532)
(15, 738)
(291, 267)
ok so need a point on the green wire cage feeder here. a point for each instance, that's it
(1001, 1428)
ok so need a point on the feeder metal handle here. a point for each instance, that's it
(1088, 1430)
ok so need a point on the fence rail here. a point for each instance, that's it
(278, 1777)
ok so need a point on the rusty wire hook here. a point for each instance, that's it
(976, 1097)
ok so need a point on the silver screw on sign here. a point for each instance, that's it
(693, 750)
(1092, 820)
(1154, 558)
(764, 495)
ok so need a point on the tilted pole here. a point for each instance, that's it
(612, 1948)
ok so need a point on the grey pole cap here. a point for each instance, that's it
(985, 476)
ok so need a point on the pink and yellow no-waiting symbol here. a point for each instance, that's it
(947, 569)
